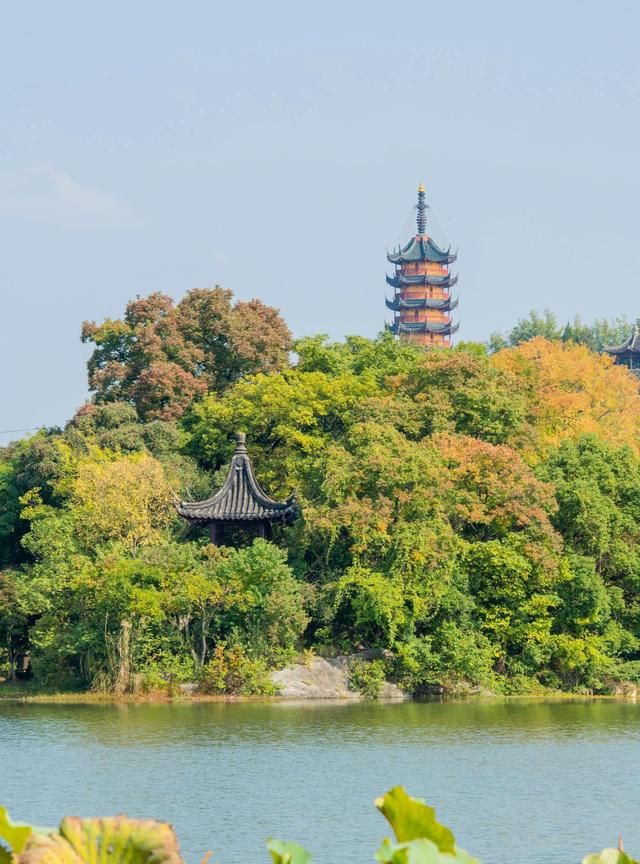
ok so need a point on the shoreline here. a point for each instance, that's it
(159, 698)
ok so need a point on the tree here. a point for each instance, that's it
(13, 622)
(270, 617)
(597, 336)
(125, 500)
(462, 391)
(161, 356)
(545, 326)
(598, 493)
(571, 392)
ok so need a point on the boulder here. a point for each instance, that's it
(323, 679)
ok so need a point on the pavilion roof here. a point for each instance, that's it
(241, 498)
(631, 346)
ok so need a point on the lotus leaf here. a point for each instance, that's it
(117, 840)
(13, 835)
(287, 853)
(412, 819)
(420, 851)
(608, 856)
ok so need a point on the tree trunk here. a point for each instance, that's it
(123, 672)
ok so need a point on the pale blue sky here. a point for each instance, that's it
(275, 148)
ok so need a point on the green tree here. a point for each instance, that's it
(544, 325)
(597, 336)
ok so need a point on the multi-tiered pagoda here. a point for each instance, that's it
(422, 301)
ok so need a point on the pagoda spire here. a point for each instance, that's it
(421, 218)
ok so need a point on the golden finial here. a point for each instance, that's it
(421, 187)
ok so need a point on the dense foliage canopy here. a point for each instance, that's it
(160, 356)
(471, 516)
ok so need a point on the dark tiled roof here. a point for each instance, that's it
(631, 346)
(241, 498)
(421, 248)
(445, 305)
(422, 279)
(424, 327)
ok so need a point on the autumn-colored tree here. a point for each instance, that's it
(162, 355)
(126, 499)
(571, 392)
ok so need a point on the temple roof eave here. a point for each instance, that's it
(422, 248)
(444, 304)
(446, 329)
(400, 280)
(631, 346)
(240, 499)
(205, 516)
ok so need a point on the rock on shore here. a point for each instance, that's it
(323, 679)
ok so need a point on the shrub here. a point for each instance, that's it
(367, 677)
(232, 672)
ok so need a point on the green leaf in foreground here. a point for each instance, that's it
(287, 853)
(93, 841)
(609, 856)
(412, 819)
(13, 834)
(420, 852)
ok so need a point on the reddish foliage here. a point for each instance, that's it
(161, 356)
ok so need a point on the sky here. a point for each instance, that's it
(276, 148)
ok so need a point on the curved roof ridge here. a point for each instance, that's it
(631, 344)
(241, 497)
(421, 247)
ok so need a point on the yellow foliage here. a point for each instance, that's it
(572, 392)
(126, 499)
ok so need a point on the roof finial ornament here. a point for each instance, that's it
(241, 442)
(422, 210)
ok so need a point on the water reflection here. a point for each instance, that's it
(543, 780)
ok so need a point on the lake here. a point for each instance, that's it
(540, 781)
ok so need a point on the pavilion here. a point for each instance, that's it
(240, 502)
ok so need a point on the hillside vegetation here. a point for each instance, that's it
(474, 516)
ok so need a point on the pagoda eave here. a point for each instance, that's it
(421, 248)
(399, 280)
(414, 327)
(400, 303)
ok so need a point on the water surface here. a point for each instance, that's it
(543, 781)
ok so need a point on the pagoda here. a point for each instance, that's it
(240, 502)
(422, 299)
(628, 354)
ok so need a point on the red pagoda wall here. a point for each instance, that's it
(432, 292)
